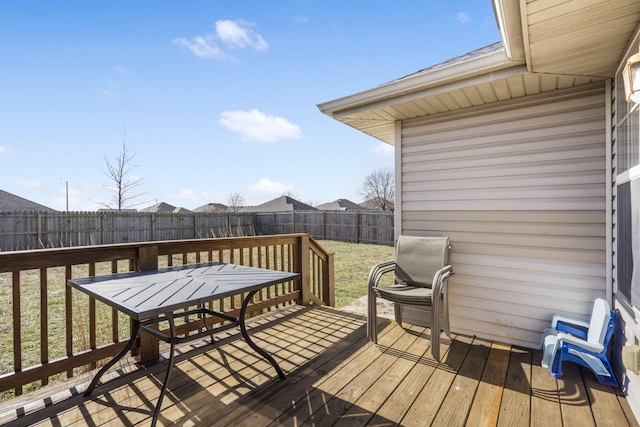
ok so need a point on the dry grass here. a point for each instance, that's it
(353, 261)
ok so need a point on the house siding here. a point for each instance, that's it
(520, 188)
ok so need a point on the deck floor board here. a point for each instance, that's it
(335, 377)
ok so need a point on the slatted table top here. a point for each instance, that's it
(146, 294)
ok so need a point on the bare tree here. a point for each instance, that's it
(124, 185)
(379, 189)
(235, 202)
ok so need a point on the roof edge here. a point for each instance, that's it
(491, 62)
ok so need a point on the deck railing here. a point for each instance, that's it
(50, 330)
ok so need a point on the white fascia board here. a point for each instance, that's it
(419, 82)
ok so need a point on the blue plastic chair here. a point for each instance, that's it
(584, 343)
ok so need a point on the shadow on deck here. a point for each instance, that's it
(335, 376)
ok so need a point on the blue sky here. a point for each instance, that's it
(212, 97)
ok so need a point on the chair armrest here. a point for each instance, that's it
(576, 330)
(441, 278)
(379, 270)
(564, 320)
(578, 342)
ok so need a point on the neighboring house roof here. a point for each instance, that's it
(546, 53)
(11, 202)
(212, 207)
(163, 207)
(181, 210)
(279, 204)
(340, 205)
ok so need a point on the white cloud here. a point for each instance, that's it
(384, 149)
(240, 34)
(463, 17)
(300, 19)
(264, 190)
(254, 125)
(234, 34)
(4, 151)
(203, 47)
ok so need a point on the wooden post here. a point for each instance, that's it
(147, 258)
(153, 226)
(293, 221)
(195, 225)
(301, 264)
(274, 230)
(39, 242)
(149, 346)
(324, 225)
(328, 282)
(255, 225)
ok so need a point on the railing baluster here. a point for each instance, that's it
(115, 323)
(17, 327)
(92, 316)
(68, 319)
(44, 322)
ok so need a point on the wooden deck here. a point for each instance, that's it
(335, 377)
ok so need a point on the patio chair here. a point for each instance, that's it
(581, 342)
(421, 272)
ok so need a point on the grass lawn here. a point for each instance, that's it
(353, 261)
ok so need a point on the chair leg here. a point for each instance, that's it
(610, 378)
(397, 313)
(435, 330)
(372, 317)
(445, 313)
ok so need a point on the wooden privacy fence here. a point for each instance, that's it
(52, 331)
(22, 230)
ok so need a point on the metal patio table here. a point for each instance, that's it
(153, 296)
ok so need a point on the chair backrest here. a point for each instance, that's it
(420, 257)
(599, 323)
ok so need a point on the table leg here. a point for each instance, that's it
(172, 328)
(127, 347)
(245, 335)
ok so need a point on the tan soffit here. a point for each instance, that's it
(586, 37)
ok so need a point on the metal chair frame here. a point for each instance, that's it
(406, 290)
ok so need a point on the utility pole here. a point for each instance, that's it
(66, 188)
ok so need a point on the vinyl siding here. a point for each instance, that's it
(521, 191)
